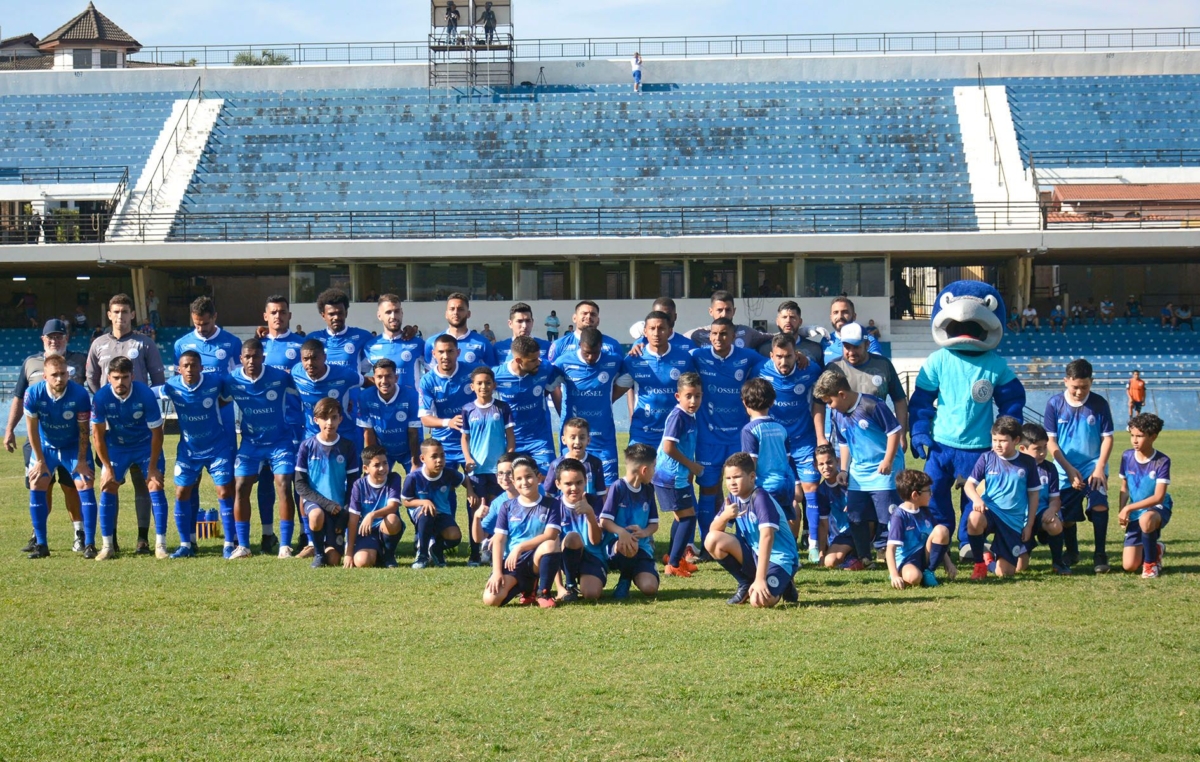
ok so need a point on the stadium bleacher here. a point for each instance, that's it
(1170, 357)
(1142, 114)
(583, 147)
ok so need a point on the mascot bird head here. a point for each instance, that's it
(968, 317)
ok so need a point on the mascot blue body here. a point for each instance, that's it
(969, 382)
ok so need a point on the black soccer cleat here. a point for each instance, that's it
(39, 551)
(143, 549)
(31, 545)
(269, 544)
(790, 594)
(89, 552)
(740, 596)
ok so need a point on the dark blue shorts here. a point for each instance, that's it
(1133, 532)
(594, 567)
(629, 568)
(671, 499)
(787, 501)
(368, 542)
(526, 574)
(876, 505)
(846, 539)
(1006, 541)
(485, 486)
(778, 578)
(919, 560)
(1072, 502)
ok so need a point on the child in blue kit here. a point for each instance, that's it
(675, 471)
(869, 437)
(375, 526)
(766, 440)
(584, 561)
(483, 523)
(526, 554)
(326, 469)
(834, 541)
(1047, 524)
(630, 517)
(487, 433)
(576, 438)
(762, 556)
(428, 494)
(1003, 489)
(1080, 428)
(1145, 504)
(916, 546)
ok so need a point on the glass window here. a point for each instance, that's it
(604, 280)
(852, 277)
(543, 281)
(434, 281)
(709, 275)
(382, 279)
(82, 58)
(310, 280)
(108, 59)
(498, 281)
(767, 278)
(655, 279)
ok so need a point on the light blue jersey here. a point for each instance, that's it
(58, 417)
(265, 403)
(964, 384)
(391, 420)
(626, 507)
(722, 415)
(219, 353)
(518, 521)
(682, 429)
(406, 353)
(1007, 484)
(488, 522)
(569, 345)
(1143, 477)
(338, 382)
(655, 377)
(587, 394)
(574, 520)
(909, 530)
(201, 419)
(831, 503)
(766, 440)
(759, 511)
(444, 397)
(528, 395)
(347, 348)
(1079, 431)
(503, 350)
(473, 350)
(487, 433)
(331, 467)
(865, 430)
(128, 421)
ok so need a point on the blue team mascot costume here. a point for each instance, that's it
(965, 377)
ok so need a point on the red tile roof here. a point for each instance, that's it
(1075, 193)
(89, 26)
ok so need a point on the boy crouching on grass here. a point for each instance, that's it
(429, 495)
(1003, 489)
(630, 518)
(483, 523)
(326, 468)
(585, 566)
(916, 546)
(834, 541)
(526, 554)
(375, 525)
(1145, 504)
(762, 556)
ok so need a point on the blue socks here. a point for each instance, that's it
(547, 570)
(158, 507)
(242, 529)
(682, 533)
(1099, 528)
(706, 511)
(227, 523)
(39, 511)
(108, 514)
(1149, 547)
(183, 522)
(572, 564)
(1056, 549)
(977, 549)
(87, 507)
(194, 501)
(266, 502)
(734, 567)
(936, 553)
(304, 524)
(813, 514)
(316, 537)
(286, 530)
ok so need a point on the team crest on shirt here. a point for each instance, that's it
(674, 374)
(469, 357)
(341, 459)
(1091, 419)
(877, 380)
(603, 377)
(442, 489)
(133, 353)
(222, 354)
(349, 348)
(1151, 475)
(798, 389)
(208, 402)
(333, 394)
(401, 416)
(739, 342)
(272, 395)
(406, 356)
(290, 354)
(137, 414)
(981, 391)
(739, 374)
(1045, 480)
(69, 414)
(537, 391)
(863, 424)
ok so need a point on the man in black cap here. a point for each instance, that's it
(54, 342)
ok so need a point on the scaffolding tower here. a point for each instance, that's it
(470, 44)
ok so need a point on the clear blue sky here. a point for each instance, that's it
(154, 22)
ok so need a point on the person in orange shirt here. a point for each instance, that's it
(1136, 391)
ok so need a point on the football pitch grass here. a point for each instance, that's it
(265, 658)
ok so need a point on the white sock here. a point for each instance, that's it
(185, 545)
(228, 544)
(78, 525)
(268, 530)
(160, 539)
(108, 540)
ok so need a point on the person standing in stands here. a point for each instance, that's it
(488, 19)
(637, 72)
(1136, 391)
(147, 362)
(152, 309)
(451, 22)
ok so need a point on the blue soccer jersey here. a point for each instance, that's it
(518, 521)
(722, 415)
(964, 384)
(473, 349)
(219, 353)
(282, 351)
(488, 522)
(264, 403)
(831, 503)
(909, 530)
(406, 353)
(129, 421)
(682, 429)
(527, 395)
(486, 427)
(1142, 478)
(587, 394)
(865, 430)
(760, 511)
(573, 519)
(201, 419)
(629, 507)
(794, 400)
(569, 345)
(391, 420)
(503, 350)
(766, 440)
(595, 485)
(58, 418)
(338, 382)
(366, 496)
(346, 349)
(444, 397)
(656, 379)
(1048, 478)
(1007, 484)
(1079, 431)
(419, 485)
(330, 467)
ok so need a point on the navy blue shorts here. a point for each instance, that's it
(1133, 532)
(368, 542)
(594, 567)
(1072, 502)
(778, 578)
(846, 539)
(485, 486)
(526, 574)
(629, 568)
(671, 499)
(1006, 541)
(876, 505)
(919, 559)
(787, 501)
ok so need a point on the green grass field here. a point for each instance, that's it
(147, 659)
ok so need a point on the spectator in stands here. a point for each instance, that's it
(1029, 315)
(872, 330)
(1014, 320)
(1135, 390)
(1089, 311)
(147, 328)
(1077, 313)
(152, 309)
(487, 333)
(1133, 309)
(1166, 316)
(452, 16)
(79, 320)
(552, 324)
(1108, 310)
(637, 72)
(1183, 316)
(1058, 319)
(488, 19)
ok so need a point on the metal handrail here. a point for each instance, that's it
(184, 119)
(95, 174)
(997, 160)
(724, 46)
(114, 203)
(1120, 157)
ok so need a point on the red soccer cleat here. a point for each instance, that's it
(980, 572)
(527, 599)
(676, 571)
(545, 600)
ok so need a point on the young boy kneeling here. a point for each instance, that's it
(916, 546)
(1005, 505)
(525, 547)
(762, 558)
(585, 568)
(375, 525)
(1145, 504)
(630, 518)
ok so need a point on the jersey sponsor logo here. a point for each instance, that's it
(406, 356)
(272, 395)
(133, 353)
(981, 391)
(290, 354)
(401, 416)
(222, 354)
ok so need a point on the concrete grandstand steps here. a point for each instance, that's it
(912, 342)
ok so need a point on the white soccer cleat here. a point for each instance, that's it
(160, 551)
(285, 551)
(240, 551)
(106, 553)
